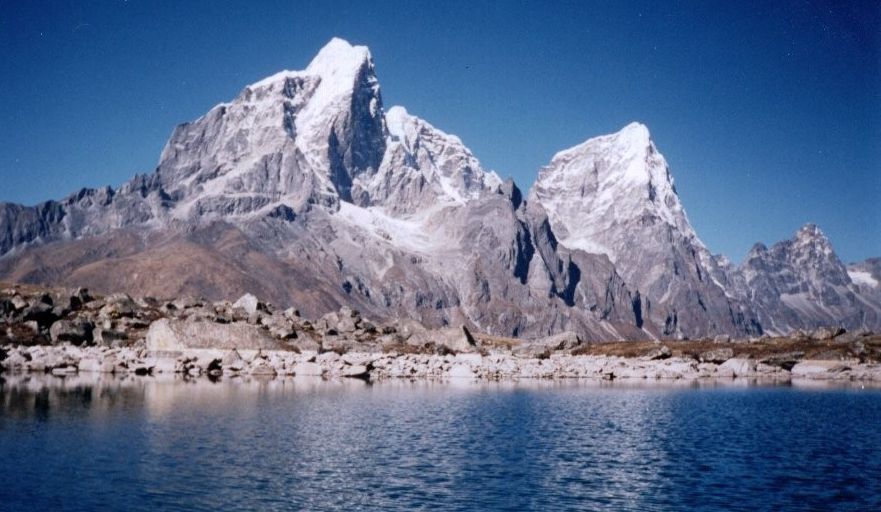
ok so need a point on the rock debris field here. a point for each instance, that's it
(64, 332)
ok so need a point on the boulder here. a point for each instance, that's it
(532, 350)
(77, 332)
(662, 352)
(109, 337)
(262, 367)
(346, 324)
(305, 342)
(739, 367)
(347, 312)
(562, 341)
(118, 305)
(717, 356)
(785, 360)
(722, 338)
(827, 333)
(176, 335)
(250, 304)
(40, 312)
(407, 327)
(6, 308)
(18, 303)
(818, 369)
(357, 371)
(230, 358)
(82, 295)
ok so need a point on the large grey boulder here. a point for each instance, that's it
(176, 335)
(717, 356)
(73, 331)
(739, 367)
(819, 369)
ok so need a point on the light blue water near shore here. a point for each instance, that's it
(289, 445)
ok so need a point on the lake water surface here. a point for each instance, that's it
(142, 444)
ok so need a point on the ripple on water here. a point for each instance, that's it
(287, 444)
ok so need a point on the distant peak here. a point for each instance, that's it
(810, 231)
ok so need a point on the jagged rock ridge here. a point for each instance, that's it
(305, 190)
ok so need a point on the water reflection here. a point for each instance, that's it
(139, 443)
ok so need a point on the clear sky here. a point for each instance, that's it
(768, 112)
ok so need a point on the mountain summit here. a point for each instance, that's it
(304, 189)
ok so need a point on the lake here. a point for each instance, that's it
(106, 443)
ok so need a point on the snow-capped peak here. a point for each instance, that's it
(337, 61)
(339, 58)
(593, 189)
(631, 145)
(298, 135)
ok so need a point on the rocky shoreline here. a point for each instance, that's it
(64, 332)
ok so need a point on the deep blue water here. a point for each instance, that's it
(289, 445)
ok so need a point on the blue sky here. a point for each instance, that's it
(769, 113)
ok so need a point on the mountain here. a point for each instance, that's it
(614, 195)
(801, 283)
(305, 190)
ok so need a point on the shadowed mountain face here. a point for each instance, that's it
(306, 191)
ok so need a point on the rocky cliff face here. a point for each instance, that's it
(305, 190)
